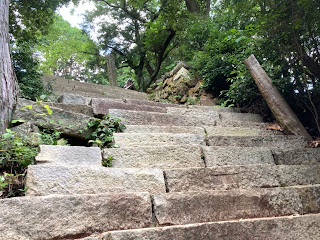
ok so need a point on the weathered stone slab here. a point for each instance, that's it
(220, 156)
(157, 104)
(240, 177)
(246, 117)
(288, 227)
(274, 142)
(102, 105)
(195, 207)
(160, 119)
(69, 98)
(70, 217)
(239, 131)
(69, 123)
(205, 118)
(76, 108)
(145, 139)
(69, 155)
(303, 156)
(164, 129)
(291, 175)
(75, 87)
(182, 156)
(310, 197)
(45, 180)
(220, 178)
(216, 108)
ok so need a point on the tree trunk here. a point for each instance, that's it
(278, 105)
(192, 6)
(112, 72)
(8, 83)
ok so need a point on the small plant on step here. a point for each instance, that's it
(16, 154)
(101, 131)
(107, 162)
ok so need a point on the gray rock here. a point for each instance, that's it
(61, 85)
(28, 130)
(161, 119)
(310, 197)
(272, 142)
(76, 108)
(216, 108)
(69, 123)
(182, 72)
(147, 139)
(68, 98)
(102, 105)
(45, 180)
(70, 217)
(291, 175)
(288, 227)
(156, 156)
(247, 117)
(220, 178)
(220, 156)
(195, 207)
(239, 131)
(69, 155)
(240, 177)
(163, 129)
(305, 156)
(204, 118)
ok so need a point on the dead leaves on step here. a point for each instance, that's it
(314, 144)
(274, 126)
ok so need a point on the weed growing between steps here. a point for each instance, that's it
(16, 154)
(101, 131)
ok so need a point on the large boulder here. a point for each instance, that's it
(69, 123)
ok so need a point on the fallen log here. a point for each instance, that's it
(287, 119)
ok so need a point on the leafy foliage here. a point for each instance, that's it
(29, 18)
(282, 35)
(70, 53)
(16, 154)
(101, 131)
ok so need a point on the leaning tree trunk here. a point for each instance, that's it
(278, 105)
(8, 83)
(112, 71)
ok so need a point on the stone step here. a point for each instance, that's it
(195, 207)
(181, 156)
(144, 102)
(215, 108)
(76, 108)
(244, 117)
(230, 155)
(274, 142)
(68, 98)
(191, 118)
(299, 227)
(240, 177)
(297, 156)
(222, 116)
(69, 155)
(46, 180)
(101, 106)
(163, 129)
(72, 217)
(240, 131)
(66, 85)
(158, 139)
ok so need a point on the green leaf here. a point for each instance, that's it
(28, 106)
(48, 109)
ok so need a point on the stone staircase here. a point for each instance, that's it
(180, 173)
